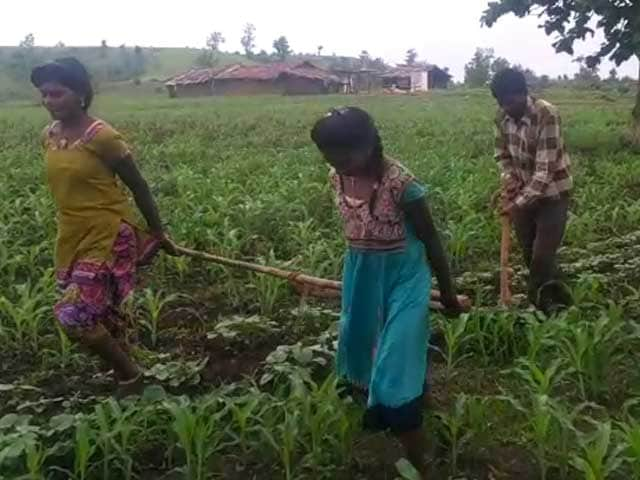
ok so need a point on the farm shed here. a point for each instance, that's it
(356, 81)
(277, 78)
(416, 78)
(194, 83)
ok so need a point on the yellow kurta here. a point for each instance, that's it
(91, 203)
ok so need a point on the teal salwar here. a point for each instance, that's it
(384, 330)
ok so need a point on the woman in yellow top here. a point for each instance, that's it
(99, 245)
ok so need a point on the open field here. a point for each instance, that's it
(241, 367)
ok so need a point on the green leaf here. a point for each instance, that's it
(14, 420)
(62, 422)
(406, 470)
(154, 393)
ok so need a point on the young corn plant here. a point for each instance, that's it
(479, 419)
(246, 412)
(104, 434)
(269, 290)
(589, 291)
(36, 454)
(541, 336)
(21, 320)
(598, 458)
(455, 335)
(594, 350)
(322, 416)
(65, 355)
(539, 413)
(199, 432)
(629, 435)
(495, 336)
(181, 265)
(154, 304)
(115, 428)
(453, 427)
(566, 420)
(283, 439)
(548, 422)
(84, 450)
(541, 381)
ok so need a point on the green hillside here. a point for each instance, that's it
(114, 66)
(110, 65)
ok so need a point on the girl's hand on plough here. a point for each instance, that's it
(168, 245)
(453, 307)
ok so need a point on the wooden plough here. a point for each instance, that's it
(305, 285)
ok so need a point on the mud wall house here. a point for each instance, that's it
(250, 80)
(357, 81)
(275, 79)
(416, 78)
(307, 79)
(194, 83)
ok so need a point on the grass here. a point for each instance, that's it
(254, 397)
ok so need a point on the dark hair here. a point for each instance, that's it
(349, 128)
(68, 72)
(509, 81)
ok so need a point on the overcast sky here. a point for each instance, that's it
(444, 32)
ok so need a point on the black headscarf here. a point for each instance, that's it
(68, 72)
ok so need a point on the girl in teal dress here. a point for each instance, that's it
(393, 245)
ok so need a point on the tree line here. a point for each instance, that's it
(212, 54)
(484, 64)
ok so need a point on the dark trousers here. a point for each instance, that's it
(540, 229)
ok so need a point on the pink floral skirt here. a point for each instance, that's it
(93, 293)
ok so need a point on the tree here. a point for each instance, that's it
(262, 56)
(23, 59)
(60, 45)
(248, 39)
(477, 72)
(544, 82)
(411, 57)
(29, 41)
(214, 40)
(282, 48)
(499, 64)
(320, 48)
(613, 76)
(587, 76)
(570, 21)
(104, 48)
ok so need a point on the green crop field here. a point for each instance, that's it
(240, 368)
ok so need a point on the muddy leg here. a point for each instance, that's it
(102, 344)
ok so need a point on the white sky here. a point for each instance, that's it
(444, 32)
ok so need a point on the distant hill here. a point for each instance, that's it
(107, 65)
(115, 65)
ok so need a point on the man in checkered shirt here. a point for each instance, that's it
(536, 180)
